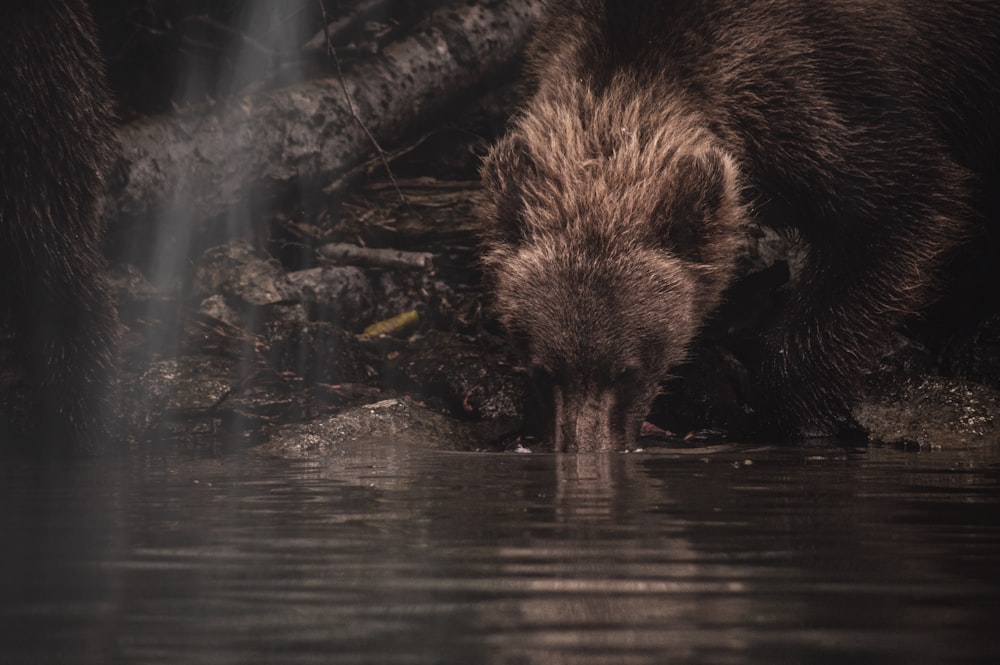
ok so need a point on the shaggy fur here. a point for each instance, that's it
(55, 148)
(653, 130)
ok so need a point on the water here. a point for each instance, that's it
(388, 554)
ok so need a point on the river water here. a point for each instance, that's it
(392, 554)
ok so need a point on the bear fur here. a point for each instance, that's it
(56, 147)
(654, 132)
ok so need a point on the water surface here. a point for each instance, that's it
(390, 554)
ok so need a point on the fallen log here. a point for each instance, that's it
(367, 26)
(198, 164)
(344, 254)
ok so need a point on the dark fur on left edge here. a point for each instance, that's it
(655, 130)
(56, 146)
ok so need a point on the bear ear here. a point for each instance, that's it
(505, 168)
(700, 205)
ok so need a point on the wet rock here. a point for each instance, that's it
(218, 308)
(188, 383)
(341, 295)
(206, 398)
(244, 290)
(222, 308)
(186, 389)
(473, 381)
(236, 270)
(131, 285)
(904, 356)
(204, 336)
(286, 312)
(976, 355)
(393, 420)
(930, 411)
(148, 310)
(317, 351)
(324, 398)
(264, 397)
(398, 293)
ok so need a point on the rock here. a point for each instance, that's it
(399, 292)
(265, 397)
(341, 295)
(187, 383)
(468, 379)
(236, 270)
(317, 351)
(185, 389)
(395, 421)
(218, 308)
(930, 411)
(131, 285)
(206, 399)
(976, 355)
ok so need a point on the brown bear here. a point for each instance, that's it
(56, 146)
(653, 132)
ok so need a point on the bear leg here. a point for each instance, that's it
(879, 264)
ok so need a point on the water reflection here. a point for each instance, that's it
(390, 554)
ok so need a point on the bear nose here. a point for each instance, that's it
(587, 422)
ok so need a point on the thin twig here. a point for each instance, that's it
(332, 53)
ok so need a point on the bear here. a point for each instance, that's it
(653, 134)
(57, 147)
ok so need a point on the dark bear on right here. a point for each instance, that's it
(652, 132)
